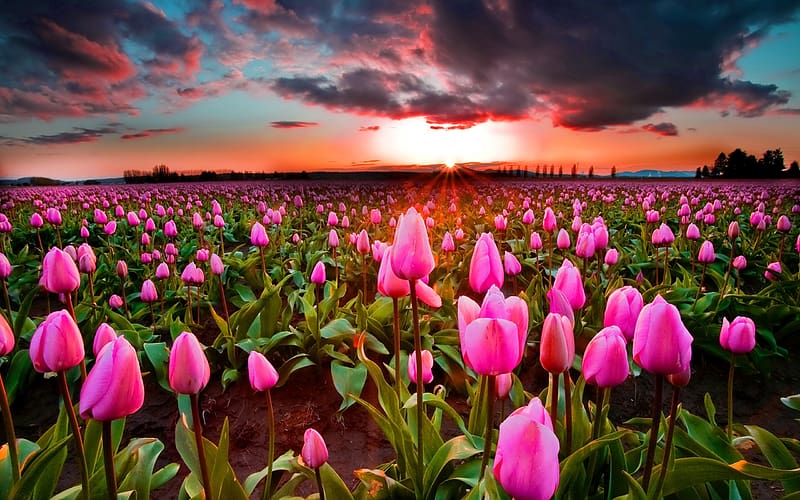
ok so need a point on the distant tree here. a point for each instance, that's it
(720, 165)
(794, 170)
(613, 171)
(591, 171)
(519, 171)
(698, 174)
(706, 171)
(552, 168)
(538, 170)
(561, 171)
(771, 164)
(574, 172)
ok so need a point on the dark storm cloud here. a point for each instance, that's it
(292, 124)
(665, 128)
(151, 132)
(77, 135)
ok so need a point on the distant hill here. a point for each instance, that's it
(656, 174)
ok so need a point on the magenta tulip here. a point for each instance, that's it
(568, 281)
(263, 376)
(605, 360)
(485, 267)
(773, 271)
(6, 337)
(562, 240)
(557, 345)
(448, 245)
(258, 235)
(706, 254)
(189, 370)
(5, 266)
(738, 336)
(502, 385)
(549, 220)
(318, 273)
(612, 257)
(114, 387)
(427, 367)
(115, 301)
(661, 343)
(59, 272)
(217, 267)
(56, 344)
(314, 452)
(102, 336)
(622, 309)
(412, 258)
(511, 264)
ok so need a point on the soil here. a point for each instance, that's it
(355, 441)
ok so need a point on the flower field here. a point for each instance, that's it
(480, 330)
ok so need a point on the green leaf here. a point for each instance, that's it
(25, 450)
(458, 448)
(245, 293)
(776, 453)
(792, 402)
(380, 486)
(39, 467)
(140, 477)
(692, 471)
(158, 355)
(282, 463)
(332, 484)
(24, 310)
(20, 374)
(338, 330)
(349, 381)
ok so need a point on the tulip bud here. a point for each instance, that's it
(511, 264)
(36, 220)
(427, 366)
(706, 254)
(189, 370)
(738, 336)
(485, 267)
(258, 235)
(114, 387)
(605, 360)
(568, 281)
(6, 337)
(333, 219)
(502, 385)
(56, 344)
(149, 293)
(549, 220)
(784, 225)
(162, 271)
(263, 376)
(59, 272)
(661, 343)
(557, 345)
(562, 240)
(733, 230)
(333, 238)
(110, 228)
(170, 229)
(5, 267)
(362, 242)
(448, 245)
(622, 310)
(102, 336)
(584, 245)
(536, 241)
(133, 219)
(740, 262)
(115, 301)
(612, 256)
(314, 451)
(412, 258)
(773, 271)
(217, 267)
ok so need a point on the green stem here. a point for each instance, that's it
(487, 440)
(654, 425)
(673, 414)
(396, 329)
(271, 452)
(730, 396)
(600, 402)
(420, 385)
(319, 484)
(8, 424)
(201, 452)
(108, 458)
(568, 411)
(700, 286)
(8, 302)
(554, 397)
(76, 432)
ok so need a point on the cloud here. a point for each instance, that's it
(369, 128)
(77, 135)
(292, 124)
(664, 128)
(151, 132)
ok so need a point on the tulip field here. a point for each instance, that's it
(458, 338)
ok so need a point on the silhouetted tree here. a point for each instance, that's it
(591, 171)
(613, 171)
(720, 165)
(794, 170)
(698, 174)
(706, 171)
(560, 171)
(574, 172)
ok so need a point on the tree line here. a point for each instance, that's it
(740, 165)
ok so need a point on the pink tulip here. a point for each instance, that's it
(733, 230)
(500, 222)
(448, 245)
(502, 385)
(740, 262)
(528, 217)
(333, 219)
(526, 461)
(56, 344)
(612, 257)
(485, 267)
(557, 345)
(738, 336)
(170, 229)
(202, 255)
(536, 241)
(681, 379)
(149, 225)
(428, 295)
(562, 240)
(375, 216)
(333, 239)
(427, 366)
(189, 370)
(84, 232)
(217, 267)
(36, 220)
(6, 337)
(784, 225)
(53, 216)
(458, 234)
(605, 360)
(59, 272)
(511, 264)
(258, 235)
(162, 271)
(622, 310)
(584, 245)
(773, 271)
(149, 293)
(114, 387)
(314, 452)
(568, 281)
(115, 301)
(549, 220)
(661, 343)
(5, 266)
(412, 258)
(558, 303)
(110, 228)
(102, 336)
(362, 242)
(87, 261)
(133, 219)
(263, 376)
(706, 254)
(318, 273)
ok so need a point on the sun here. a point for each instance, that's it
(414, 141)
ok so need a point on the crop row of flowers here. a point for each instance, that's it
(452, 287)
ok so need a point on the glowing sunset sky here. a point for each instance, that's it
(90, 88)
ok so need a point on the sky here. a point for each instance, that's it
(90, 88)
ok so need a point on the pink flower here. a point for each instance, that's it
(511, 264)
(412, 258)
(362, 242)
(568, 281)
(115, 301)
(121, 269)
(612, 256)
(314, 452)
(133, 219)
(526, 461)
(258, 235)
(706, 254)
(733, 230)
(263, 376)
(53, 216)
(740, 262)
(605, 360)
(102, 336)
(738, 336)
(584, 246)
(557, 345)
(427, 366)
(536, 241)
(622, 310)
(562, 240)
(375, 216)
(502, 385)
(189, 370)
(333, 239)
(448, 245)
(661, 343)
(162, 271)
(5, 266)
(318, 273)
(170, 229)
(217, 267)
(784, 225)
(59, 272)
(56, 344)
(110, 228)
(333, 219)
(558, 303)
(36, 220)
(549, 220)
(773, 271)
(114, 387)
(485, 267)
(149, 293)
(6, 337)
